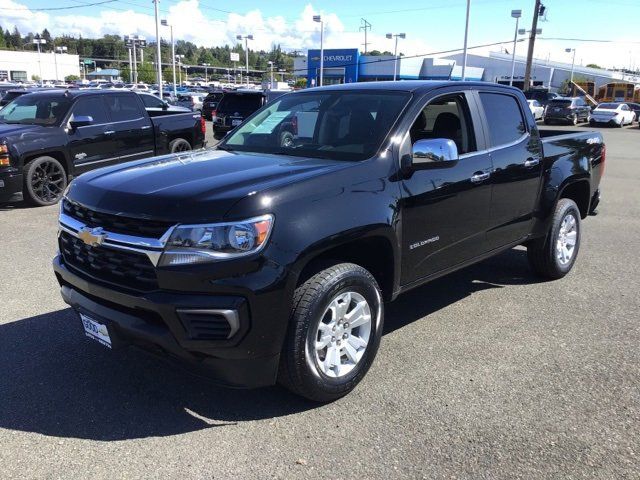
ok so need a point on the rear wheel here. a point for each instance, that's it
(179, 145)
(44, 181)
(574, 119)
(553, 257)
(334, 334)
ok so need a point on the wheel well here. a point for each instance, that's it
(57, 155)
(374, 253)
(579, 192)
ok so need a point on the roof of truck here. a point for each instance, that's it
(406, 85)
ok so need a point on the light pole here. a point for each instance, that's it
(523, 31)
(318, 19)
(158, 49)
(246, 51)
(173, 57)
(180, 57)
(395, 52)
(271, 79)
(206, 72)
(573, 61)
(515, 14)
(39, 41)
(466, 36)
(57, 50)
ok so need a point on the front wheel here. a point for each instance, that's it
(44, 181)
(553, 257)
(334, 333)
(574, 119)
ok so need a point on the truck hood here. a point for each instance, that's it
(12, 129)
(190, 188)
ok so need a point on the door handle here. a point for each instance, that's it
(480, 177)
(531, 162)
(146, 127)
(109, 132)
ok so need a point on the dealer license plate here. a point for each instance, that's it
(235, 123)
(95, 330)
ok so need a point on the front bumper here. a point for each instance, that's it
(10, 186)
(155, 321)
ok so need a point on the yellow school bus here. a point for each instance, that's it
(619, 92)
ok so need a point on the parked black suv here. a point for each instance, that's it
(264, 261)
(210, 104)
(572, 110)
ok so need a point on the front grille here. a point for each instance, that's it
(116, 223)
(204, 325)
(127, 269)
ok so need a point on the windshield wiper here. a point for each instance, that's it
(224, 147)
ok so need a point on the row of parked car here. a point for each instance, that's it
(574, 110)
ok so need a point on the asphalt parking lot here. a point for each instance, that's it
(486, 373)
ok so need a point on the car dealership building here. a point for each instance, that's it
(17, 66)
(348, 65)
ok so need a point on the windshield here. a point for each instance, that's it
(36, 110)
(560, 103)
(337, 125)
(608, 106)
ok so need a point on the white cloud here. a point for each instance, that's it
(302, 33)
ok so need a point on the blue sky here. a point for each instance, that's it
(430, 26)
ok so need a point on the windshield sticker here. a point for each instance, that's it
(271, 122)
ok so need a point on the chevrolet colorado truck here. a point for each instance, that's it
(269, 259)
(50, 136)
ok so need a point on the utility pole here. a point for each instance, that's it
(366, 26)
(532, 41)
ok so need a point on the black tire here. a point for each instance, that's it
(574, 119)
(44, 181)
(547, 122)
(287, 140)
(542, 253)
(219, 135)
(299, 369)
(179, 145)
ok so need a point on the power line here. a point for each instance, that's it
(70, 7)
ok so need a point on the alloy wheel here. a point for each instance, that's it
(567, 238)
(47, 181)
(343, 334)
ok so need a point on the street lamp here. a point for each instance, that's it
(573, 61)
(515, 14)
(55, 58)
(318, 19)
(270, 63)
(246, 51)
(39, 41)
(206, 71)
(165, 23)
(395, 52)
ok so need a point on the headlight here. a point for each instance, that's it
(219, 241)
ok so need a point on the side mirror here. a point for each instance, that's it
(433, 152)
(80, 121)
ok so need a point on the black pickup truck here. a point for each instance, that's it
(49, 137)
(268, 260)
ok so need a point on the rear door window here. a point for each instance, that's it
(122, 108)
(241, 103)
(504, 117)
(152, 102)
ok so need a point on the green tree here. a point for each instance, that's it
(71, 78)
(146, 73)
(593, 65)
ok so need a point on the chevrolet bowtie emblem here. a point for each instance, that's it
(92, 236)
